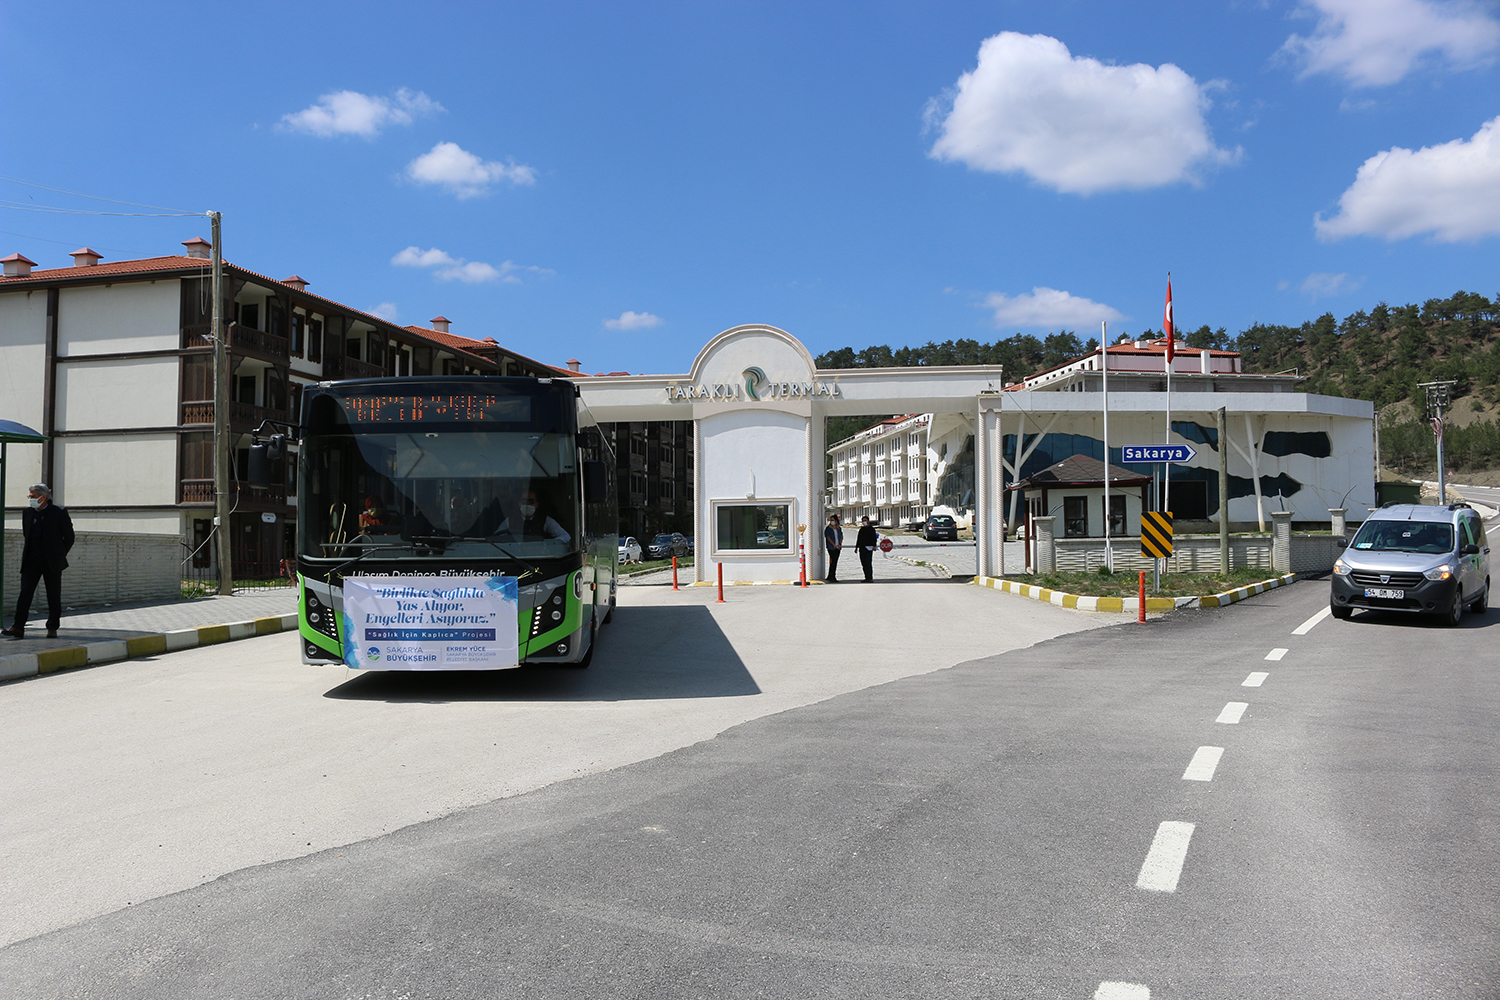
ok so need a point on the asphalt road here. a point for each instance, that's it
(1054, 821)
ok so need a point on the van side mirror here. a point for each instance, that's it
(595, 482)
(1342, 543)
(1469, 550)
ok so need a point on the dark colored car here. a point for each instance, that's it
(667, 546)
(1417, 558)
(939, 528)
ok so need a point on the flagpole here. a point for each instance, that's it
(1109, 553)
(1170, 331)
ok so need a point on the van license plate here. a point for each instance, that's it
(1393, 595)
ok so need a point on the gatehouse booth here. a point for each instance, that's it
(757, 401)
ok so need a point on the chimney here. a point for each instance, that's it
(296, 281)
(1140, 345)
(199, 247)
(17, 266)
(84, 257)
(574, 365)
(1205, 361)
(440, 323)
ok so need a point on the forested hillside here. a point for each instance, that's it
(1380, 355)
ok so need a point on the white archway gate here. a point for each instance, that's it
(757, 402)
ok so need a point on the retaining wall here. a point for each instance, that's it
(104, 568)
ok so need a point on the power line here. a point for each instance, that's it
(80, 211)
(91, 197)
(66, 243)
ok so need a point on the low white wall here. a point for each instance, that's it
(103, 568)
(1311, 553)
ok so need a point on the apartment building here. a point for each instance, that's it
(897, 470)
(113, 361)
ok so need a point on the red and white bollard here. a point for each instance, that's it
(802, 558)
(674, 573)
(721, 584)
(1140, 614)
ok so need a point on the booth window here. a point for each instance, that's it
(1075, 517)
(753, 527)
(1117, 516)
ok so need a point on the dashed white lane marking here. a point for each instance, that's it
(1255, 680)
(1307, 626)
(1122, 991)
(1163, 863)
(1233, 712)
(1205, 761)
(1277, 654)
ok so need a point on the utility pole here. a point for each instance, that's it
(1223, 427)
(1439, 398)
(221, 411)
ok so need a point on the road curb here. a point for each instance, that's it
(114, 650)
(1119, 605)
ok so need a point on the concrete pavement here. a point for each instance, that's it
(110, 634)
(158, 775)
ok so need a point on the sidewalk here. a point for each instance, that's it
(146, 629)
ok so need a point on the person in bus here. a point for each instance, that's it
(535, 524)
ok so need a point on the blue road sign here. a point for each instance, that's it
(1137, 453)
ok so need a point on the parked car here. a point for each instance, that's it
(630, 550)
(692, 545)
(940, 527)
(920, 524)
(1416, 558)
(666, 546)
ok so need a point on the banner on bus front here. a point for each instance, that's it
(430, 622)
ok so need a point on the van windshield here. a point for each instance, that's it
(1428, 537)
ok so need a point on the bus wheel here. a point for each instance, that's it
(609, 615)
(589, 656)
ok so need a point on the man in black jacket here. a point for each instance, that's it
(48, 531)
(866, 541)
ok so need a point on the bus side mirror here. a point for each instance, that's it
(261, 467)
(595, 482)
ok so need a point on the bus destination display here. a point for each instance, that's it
(438, 408)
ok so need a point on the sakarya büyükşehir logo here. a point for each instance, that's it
(753, 377)
(374, 653)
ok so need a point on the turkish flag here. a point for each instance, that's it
(1166, 322)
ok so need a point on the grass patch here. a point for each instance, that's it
(1126, 584)
(683, 562)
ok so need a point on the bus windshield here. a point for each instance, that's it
(436, 489)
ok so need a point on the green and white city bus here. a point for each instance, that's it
(436, 514)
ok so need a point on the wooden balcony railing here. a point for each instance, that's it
(351, 368)
(248, 497)
(197, 413)
(242, 340)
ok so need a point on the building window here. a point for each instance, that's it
(315, 340)
(764, 527)
(1116, 516)
(1075, 517)
(299, 334)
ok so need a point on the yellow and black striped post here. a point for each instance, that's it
(1156, 534)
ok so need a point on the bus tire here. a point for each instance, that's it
(609, 615)
(588, 657)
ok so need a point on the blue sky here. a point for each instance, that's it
(618, 183)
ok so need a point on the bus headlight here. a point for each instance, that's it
(1442, 572)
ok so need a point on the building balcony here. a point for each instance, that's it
(243, 340)
(351, 368)
(200, 493)
(198, 413)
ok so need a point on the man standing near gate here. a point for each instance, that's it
(833, 541)
(866, 541)
(48, 531)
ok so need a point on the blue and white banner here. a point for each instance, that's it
(430, 622)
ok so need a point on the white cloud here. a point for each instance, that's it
(1451, 191)
(474, 272)
(1073, 123)
(633, 321)
(462, 173)
(347, 112)
(1372, 43)
(1322, 285)
(386, 311)
(1048, 307)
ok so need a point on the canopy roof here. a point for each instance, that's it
(14, 433)
(1080, 470)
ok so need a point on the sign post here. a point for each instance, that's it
(1156, 539)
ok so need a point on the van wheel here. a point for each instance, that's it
(1456, 612)
(1340, 612)
(1481, 603)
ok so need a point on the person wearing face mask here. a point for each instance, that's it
(48, 531)
(535, 524)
